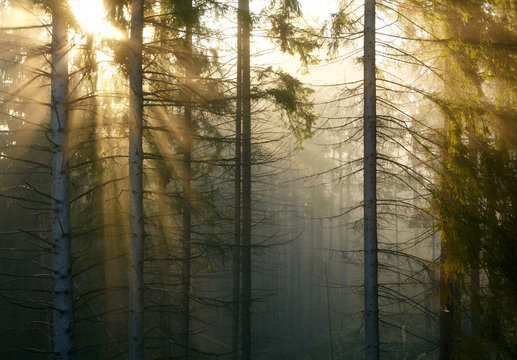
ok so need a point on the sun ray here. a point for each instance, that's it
(91, 16)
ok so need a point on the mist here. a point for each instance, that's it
(186, 180)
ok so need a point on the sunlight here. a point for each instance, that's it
(91, 16)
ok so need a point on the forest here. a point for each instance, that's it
(266, 179)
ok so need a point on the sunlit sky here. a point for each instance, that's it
(91, 15)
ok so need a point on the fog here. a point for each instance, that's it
(307, 220)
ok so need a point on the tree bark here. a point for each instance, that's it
(246, 182)
(136, 212)
(475, 317)
(329, 317)
(299, 241)
(237, 197)
(63, 314)
(371, 306)
(187, 195)
(449, 291)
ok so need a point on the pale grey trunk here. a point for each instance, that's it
(246, 183)
(136, 212)
(329, 317)
(300, 271)
(61, 228)
(187, 197)
(371, 306)
(344, 238)
(237, 198)
(312, 269)
(399, 278)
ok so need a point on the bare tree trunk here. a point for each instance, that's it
(474, 300)
(60, 189)
(299, 241)
(448, 308)
(428, 309)
(342, 238)
(371, 306)
(246, 182)
(187, 196)
(329, 317)
(449, 291)
(136, 211)
(237, 197)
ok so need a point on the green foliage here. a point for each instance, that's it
(291, 39)
(292, 98)
(341, 25)
(477, 196)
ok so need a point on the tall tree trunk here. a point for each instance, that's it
(371, 306)
(136, 211)
(61, 227)
(474, 300)
(329, 317)
(341, 240)
(399, 277)
(237, 197)
(449, 295)
(246, 181)
(428, 307)
(299, 241)
(344, 241)
(187, 196)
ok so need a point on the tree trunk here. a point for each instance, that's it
(237, 197)
(136, 212)
(371, 306)
(474, 300)
(449, 289)
(449, 292)
(187, 196)
(246, 182)
(299, 241)
(345, 245)
(61, 227)
(329, 317)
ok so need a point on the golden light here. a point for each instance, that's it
(91, 16)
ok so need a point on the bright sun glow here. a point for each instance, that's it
(91, 15)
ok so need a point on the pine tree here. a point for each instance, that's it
(61, 226)
(371, 307)
(246, 180)
(136, 215)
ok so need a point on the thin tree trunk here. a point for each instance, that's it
(344, 244)
(63, 314)
(449, 293)
(448, 310)
(474, 300)
(292, 290)
(237, 197)
(246, 182)
(136, 213)
(399, 279)
(371, 306)
(187, 196)
(320, 322)
(342, 237)
(428, 310)
(329, 317)
(160, 248)
(475, 241)
(300, 278)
